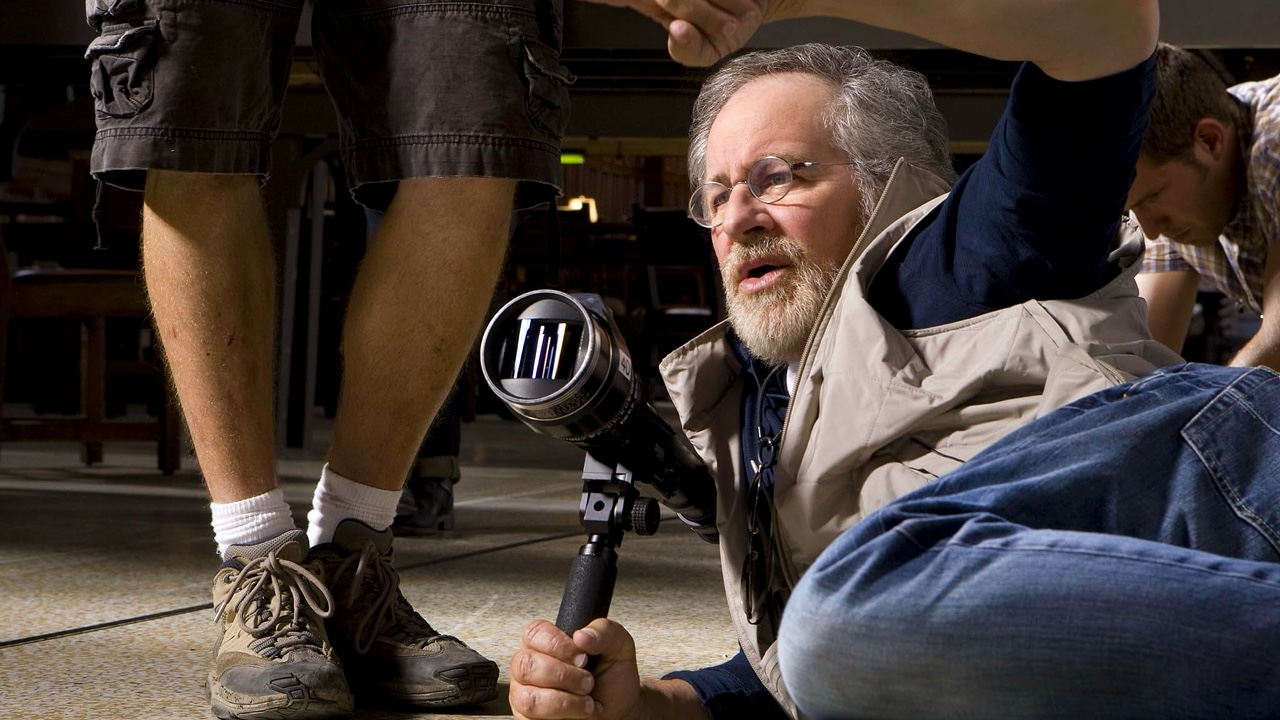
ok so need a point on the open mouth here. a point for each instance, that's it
(756, 277)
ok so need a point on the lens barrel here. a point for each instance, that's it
(560, 364)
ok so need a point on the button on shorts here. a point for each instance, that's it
(421, 89)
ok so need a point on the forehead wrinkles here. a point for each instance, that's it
(787, 115)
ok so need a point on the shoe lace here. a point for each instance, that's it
(386, 610)
(282, 623)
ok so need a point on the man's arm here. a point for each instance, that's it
(1067, 39)
(1264, 347)
(1171, 298)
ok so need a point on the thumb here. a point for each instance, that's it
(607, 639)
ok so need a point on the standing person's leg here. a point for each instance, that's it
(210, 274)
(426, 503)
(447, 116)
(1115, 559)
(190, 120)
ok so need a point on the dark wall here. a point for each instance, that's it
(1201, 23)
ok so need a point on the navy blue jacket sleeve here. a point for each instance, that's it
(731, 690)
(1036, 216)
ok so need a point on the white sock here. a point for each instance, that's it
(249, 522)
(338, 498)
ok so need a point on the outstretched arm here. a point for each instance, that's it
(1068, 39)
(1264, 348)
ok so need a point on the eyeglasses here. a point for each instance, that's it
(758, 565)
(769, 180)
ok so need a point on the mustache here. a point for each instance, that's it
(764, 246)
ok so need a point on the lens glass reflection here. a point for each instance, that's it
(542, 350)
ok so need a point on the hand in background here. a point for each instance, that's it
(701, 32)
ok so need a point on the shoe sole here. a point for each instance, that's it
(462, 685)
(297, 705)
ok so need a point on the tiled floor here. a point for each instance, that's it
(105, 610)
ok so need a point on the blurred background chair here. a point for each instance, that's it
(682, 296)
(82, 303)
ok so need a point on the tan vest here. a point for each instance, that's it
(878, 412)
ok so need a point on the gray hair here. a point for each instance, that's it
(880, 111)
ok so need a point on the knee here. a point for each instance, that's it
(814, 630)
(188, 188)
(850, 636)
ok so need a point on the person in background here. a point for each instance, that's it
(1207, 195)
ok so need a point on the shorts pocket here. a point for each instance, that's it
(98, 12)
(547, 84)
(122, 70)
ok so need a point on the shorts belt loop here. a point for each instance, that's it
(554, 246)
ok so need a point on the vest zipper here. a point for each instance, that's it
(780, 552)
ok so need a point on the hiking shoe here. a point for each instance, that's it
(426, 506)
(393, 656)
(273, 659)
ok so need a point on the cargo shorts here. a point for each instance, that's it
(421, 88)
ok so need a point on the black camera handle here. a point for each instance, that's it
(610, 506)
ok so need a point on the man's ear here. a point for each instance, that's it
(1211, 141)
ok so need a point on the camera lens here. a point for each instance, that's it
(554, 363)
(561, 366)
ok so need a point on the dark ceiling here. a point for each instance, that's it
(627, 87)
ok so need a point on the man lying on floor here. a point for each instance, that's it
(1111, 559)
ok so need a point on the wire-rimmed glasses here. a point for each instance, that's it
(769, 179)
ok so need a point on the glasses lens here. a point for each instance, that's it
(770, 179)
(707, 202)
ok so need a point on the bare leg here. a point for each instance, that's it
(210, 275)
(418, 302)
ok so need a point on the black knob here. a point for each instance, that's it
(644, 516)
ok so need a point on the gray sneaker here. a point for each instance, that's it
(273, 659)
(393, 656)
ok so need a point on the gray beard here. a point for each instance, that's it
(775, 323)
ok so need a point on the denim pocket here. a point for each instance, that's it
(122, 70)
(1237, 437)
(547, 88)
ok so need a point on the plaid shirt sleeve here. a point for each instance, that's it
(1264, 164)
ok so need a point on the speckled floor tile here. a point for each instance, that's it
(104, 573)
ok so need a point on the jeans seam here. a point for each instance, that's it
(1130, 558)
(898, 529)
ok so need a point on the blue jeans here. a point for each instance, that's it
(1115, 559)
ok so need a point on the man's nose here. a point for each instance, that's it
(1153, 224)
(744, 213)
